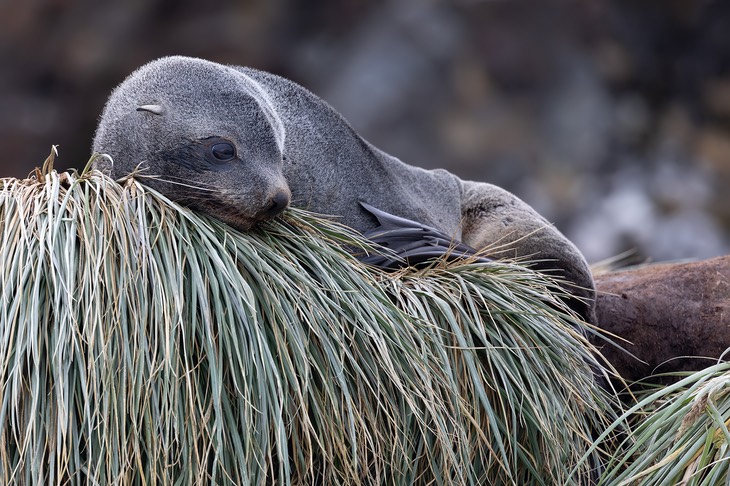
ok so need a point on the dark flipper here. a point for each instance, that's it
(412, 243)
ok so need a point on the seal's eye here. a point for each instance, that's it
(223, 151)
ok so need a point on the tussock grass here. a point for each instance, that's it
(681, 434)
(141, 343)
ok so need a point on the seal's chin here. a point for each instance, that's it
(241, 224)
(236, 220)
(231, 215)
(239, 220)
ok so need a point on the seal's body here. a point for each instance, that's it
(239, 144)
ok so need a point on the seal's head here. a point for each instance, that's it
(203, 134)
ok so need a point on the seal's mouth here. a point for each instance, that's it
(235, 215)
(237, 219)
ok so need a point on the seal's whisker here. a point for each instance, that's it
(197, 186)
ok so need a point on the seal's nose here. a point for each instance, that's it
(278, 203)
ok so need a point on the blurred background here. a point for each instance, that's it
(610, 117)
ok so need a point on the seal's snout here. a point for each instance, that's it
(278, 203)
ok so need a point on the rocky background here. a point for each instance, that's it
(611, 117)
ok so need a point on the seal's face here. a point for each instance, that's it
(212, 176)
(203, 134)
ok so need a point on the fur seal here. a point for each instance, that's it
(242, 144)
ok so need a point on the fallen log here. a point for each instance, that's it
(675, 317)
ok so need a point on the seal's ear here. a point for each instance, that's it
(154, 109)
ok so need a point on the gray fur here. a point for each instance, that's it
(290, 141)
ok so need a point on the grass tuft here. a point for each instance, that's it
(141, 343)
(680, 436)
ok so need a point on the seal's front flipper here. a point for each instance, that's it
(412, 243)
